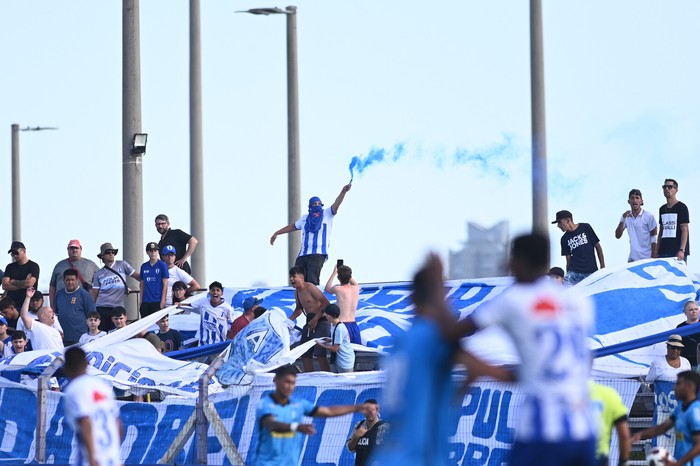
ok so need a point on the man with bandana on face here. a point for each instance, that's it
(315, 235)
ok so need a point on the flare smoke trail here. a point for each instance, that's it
(487, 159)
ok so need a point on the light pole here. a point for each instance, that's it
(16, 205)
(539, 131)
(293, 165)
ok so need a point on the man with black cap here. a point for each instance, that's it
(315, 235)
(249, 306)
(342, 354)
(20, 274)
(578, 245)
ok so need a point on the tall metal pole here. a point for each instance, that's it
(132, 169)
(293, 168)
(539, 133)
(16, 213)
(196, 163)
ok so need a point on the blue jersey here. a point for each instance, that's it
(417, 398)
(152, 277)
(687, 424)
(317, 242)
(280, 448)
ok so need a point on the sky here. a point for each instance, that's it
(446, 85)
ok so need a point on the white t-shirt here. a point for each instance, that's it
(88, 396)
(549, 327)
(214, 322)
(176, 275)
(661, 370)
(345, 358)
(20, 323)
(639, 229)
(87, 338)
(44, 337)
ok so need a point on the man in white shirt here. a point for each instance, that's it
(641, 227)
(41, 331)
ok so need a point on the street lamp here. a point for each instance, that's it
(293, 168)
(16, 212)
(138, 147)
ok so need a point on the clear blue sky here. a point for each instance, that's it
(445, 78)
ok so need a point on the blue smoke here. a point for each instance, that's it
(488, 159)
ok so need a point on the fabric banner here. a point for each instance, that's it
(481, 426)
(664, 404)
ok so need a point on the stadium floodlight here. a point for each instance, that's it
(138, 147)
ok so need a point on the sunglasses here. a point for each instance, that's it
(667, 186)
(674, 347)
(110, 251)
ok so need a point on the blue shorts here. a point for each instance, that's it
(354, 332)
(566, 453)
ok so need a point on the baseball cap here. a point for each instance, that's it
(3, 320)
(169, 249)
(332, 310)
(74, 243)
(151, 246)
(250, 302)
(561, 215)
(16, 245)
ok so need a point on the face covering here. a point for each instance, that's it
(315, 217)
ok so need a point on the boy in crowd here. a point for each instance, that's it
(154, 282)
(5, 339)
(347, 296)
(171, 338)
(342, 354)
(216, 316)
(19, 344)
(94, 332)
(9, 312)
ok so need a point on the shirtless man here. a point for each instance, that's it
(311, 301)
(347, 295)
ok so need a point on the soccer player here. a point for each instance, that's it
(549, 329)
(611, 411)
(279, 415)
(93, 413)
(685, 418)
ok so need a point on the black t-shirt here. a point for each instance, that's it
(172, 340)
(580, 245)
(179, 240)
(670, 221)
(368, 442)
(19, 272)
(690, 345)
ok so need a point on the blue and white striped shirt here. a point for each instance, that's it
(214, 322)
(319, 242)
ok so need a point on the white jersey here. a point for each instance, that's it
(320, 241)
(90, 397)
(214, 322)
(87, 338)
(176, 274)
(44, 337)
(549, 327)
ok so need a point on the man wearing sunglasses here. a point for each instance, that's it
(674, 236)
(20, 274)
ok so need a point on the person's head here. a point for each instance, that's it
(179, 291)
(119, 317)
(36, 302)
(332, 311)
(690, 309)
(315, 203)
(3, 326)
(216, 291)
(75, 362)
(635, 199)
(556, 274)
(168, 254)
(75, 250)
(674, 346)
(344, 274)
(93, 320)
(529, 257)
(19, 341)
(107, 253)
(259, 311)
(18, 252)
(285, 380)
(670, 188)
(371, 410)
(162, 223)
(7, 308)
(687, 386)
(152, 250)
(70, 280)
(164, 324)
(564, 221)
(46, 316)
(296, 276)
(250, 304)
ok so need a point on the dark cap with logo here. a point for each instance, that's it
(561, 215)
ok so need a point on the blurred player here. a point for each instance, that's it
(611, 411)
